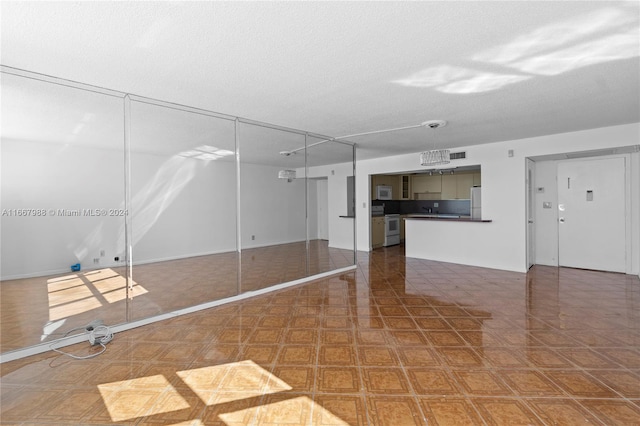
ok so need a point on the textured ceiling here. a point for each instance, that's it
(494, 70)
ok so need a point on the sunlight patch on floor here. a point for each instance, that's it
(231, 382)
(145, 396)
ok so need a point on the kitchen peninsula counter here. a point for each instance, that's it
(460, 240)
(446, 218)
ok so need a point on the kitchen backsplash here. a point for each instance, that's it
(459, 207)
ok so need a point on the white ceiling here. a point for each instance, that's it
(494, 70)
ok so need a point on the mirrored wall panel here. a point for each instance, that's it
(183, 190)
(62, 211)
(331, 223)
(118, 209)
(273, 232)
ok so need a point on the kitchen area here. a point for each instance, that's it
(441, 195)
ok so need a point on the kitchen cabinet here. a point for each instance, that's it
(388, 180)
(463, 186)
(422, 186)
(456, 186)
(449, 187)
(423, 183)
(377, 232)
(405, 187)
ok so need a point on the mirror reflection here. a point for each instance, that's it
(117, 208)
(62, 211)
(272, 207)
(183, 208)
(330, 201)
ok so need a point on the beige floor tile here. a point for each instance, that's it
(397, 341)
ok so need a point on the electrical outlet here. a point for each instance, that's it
(101, 253)
(253, 237)
(96, 260)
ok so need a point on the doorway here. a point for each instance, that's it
(592, 214)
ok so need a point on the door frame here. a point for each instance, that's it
(530, 202)
(323, 213)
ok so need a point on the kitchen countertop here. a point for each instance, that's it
(445, 217)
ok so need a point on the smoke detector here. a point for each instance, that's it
(434, 124)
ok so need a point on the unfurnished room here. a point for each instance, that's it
(320, 213)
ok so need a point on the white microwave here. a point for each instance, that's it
(384, 192)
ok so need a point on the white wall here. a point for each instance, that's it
(341, 230)
(52, 176)
(272, 209)
(181, 207)
(502, 242)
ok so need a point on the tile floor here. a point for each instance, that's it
(66, 301)
(397, 342)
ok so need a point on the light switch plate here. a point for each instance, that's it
(546, 205)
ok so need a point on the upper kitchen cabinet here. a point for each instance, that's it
(463, 186)
(387, 180)
(457, 186)
(426, 187)
(476, 179)
(405, 187)
(449, 187)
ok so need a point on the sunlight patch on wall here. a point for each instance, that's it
(157, 195)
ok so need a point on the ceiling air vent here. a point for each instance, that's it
(457, 155)
(594, 153)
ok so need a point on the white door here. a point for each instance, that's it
(323, 211)
(531, 241)
(591, 203)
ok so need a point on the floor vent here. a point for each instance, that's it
(457, 155)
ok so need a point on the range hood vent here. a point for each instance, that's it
(457, 155)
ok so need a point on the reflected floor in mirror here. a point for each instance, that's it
(398, 341)
(41, 309)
